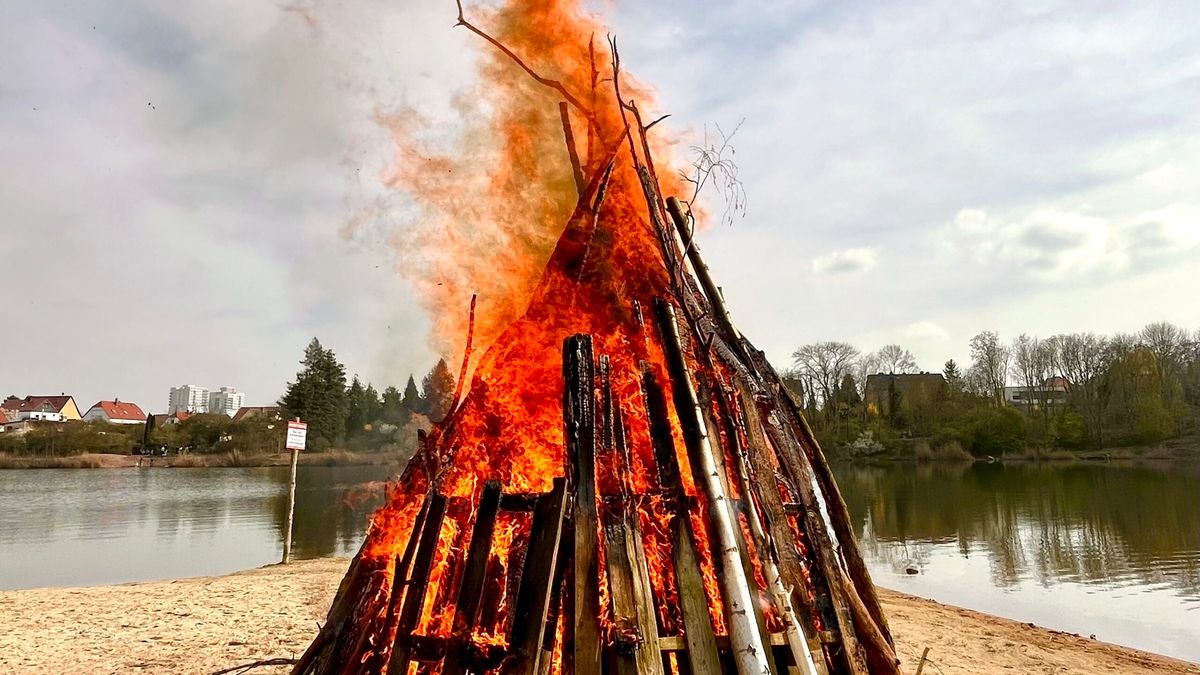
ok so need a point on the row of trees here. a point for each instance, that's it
(1077, 390)
(357, 415)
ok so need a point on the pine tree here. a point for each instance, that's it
(953, 377)
(438, 391)
(318, 396)
(372, 407)
(412, 398)
(356, 414)
(393, 410)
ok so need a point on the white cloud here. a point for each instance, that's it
(846, 261)
(926, 331)
(1053, 244)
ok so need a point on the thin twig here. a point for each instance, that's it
(650, 126)
(466, 360)
(236, 670)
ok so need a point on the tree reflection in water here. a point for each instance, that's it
(1131, 525)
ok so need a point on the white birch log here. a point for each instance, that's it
(750, 652)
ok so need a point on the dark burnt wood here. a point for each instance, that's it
(579, 419)
(417, 579)
(470, 592)
(535, 596)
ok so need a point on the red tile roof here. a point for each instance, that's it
(252, 410)
(30, 403)
(121, 410)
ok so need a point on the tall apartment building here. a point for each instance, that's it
(188, 398)
(227, 401)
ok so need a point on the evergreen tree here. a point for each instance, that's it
(438, 391)
(393, 410)
(372, 406)
(356, 404)
(318, 396)
(412, 398)
(953, 377)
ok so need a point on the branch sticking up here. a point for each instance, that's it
(553, 84)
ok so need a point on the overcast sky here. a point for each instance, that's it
(177, 177)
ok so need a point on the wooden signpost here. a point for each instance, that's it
(297, 432)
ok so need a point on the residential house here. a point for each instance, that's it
(883, 391)
(115, 412)
(271, 412)
(43, 408)
(1053, 392)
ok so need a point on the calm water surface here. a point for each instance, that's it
(75, 527)
(1109, 550)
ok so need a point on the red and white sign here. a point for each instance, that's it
(297, 433)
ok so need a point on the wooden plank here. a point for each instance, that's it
(702, 656)
(418, 577)
(470, 590)
(791, 566)
(635, 625)
(537, 582)
(579, 418)
(820, 545)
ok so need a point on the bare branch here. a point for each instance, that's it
(553, 84)
(648, 127)
(237, 670)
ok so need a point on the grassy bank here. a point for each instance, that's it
(221, 459)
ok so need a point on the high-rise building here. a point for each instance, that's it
(188, 398)
(226, 401)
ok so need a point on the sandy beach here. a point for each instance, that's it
(206, 624)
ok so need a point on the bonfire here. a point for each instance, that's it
(625, 485)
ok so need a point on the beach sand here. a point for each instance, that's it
(206, 624)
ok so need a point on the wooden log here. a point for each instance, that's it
(821, 545)
(702, 654)
(750, 651)
(379, 657)
(572, 150)
(537, 583)
(417, 579)
(579, 418)
(635, 627)
(801, 646)
(838, 513)
(470, 590)
(716, 301)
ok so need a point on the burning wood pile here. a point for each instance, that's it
(625, 486)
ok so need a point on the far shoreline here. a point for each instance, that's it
(200, 460)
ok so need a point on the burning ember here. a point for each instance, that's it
(625, 485)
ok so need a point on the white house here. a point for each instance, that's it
(189, 399)
(115, 412)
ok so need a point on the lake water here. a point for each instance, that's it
(1106, 550)
(77, 527)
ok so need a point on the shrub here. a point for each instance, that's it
(996, 431)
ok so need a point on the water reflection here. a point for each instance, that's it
(80, 527)
(1088, 548)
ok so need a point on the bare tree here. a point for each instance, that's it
(825, 363)
(990, 360)
(894, 360)
(1168, 344)
(864, 367)
(1083, 359)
